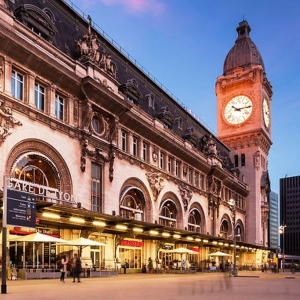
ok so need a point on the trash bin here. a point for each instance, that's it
(144, 270)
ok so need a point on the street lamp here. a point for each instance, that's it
(281, 231)
(231, 203)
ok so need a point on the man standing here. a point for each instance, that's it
(77, 268)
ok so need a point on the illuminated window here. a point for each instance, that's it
(168, 214)
(194, 221)
(96, 197)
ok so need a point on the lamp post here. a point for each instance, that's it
(281, 231)
(232, 209)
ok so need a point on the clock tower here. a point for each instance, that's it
(244, 97)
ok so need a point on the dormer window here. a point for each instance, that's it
(166, 117)
(36, 20)
(131, 91)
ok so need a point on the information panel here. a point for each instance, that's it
(21, 209)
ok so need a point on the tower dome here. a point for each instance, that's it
(244, 53)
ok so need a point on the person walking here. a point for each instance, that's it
(77, 268)
(63, 269)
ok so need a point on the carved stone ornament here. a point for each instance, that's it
(156, 182)
(154, 154)
(131, 90)
(214, 186)
(166, 116)
(210, 147)
(89, 49)
(191, 136)
(7, 121)
(186, 194)
(87, 115)
(256, 160)
(98, 156)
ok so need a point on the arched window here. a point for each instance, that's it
(236, 161)
(194, 221)
(224, 230)
(168, 214)
(243, 160)
(36, 168)
(132, 204)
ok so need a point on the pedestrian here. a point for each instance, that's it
(63, 268)
(77, 268)
(125, 266)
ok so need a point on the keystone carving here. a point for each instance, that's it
(156, 182)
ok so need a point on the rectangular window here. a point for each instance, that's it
(243, 160)
(17, 85)
(177, 168)
(145, 152)
(59, 107)
(134, 146)
(170, 160)
(201, 183)
(124, 142)
(161, 160)
(196, 179)
(39, 97)
(236, 161)
(190, 175)
(96, 193)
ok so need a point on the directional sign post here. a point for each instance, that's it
(19, 209)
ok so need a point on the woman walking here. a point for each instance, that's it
(63, 269)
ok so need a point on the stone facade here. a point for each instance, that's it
(95, 138)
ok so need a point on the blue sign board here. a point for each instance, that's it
(21, 209)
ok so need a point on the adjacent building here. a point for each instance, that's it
(111, 156)
(290, 215)
(273, 220)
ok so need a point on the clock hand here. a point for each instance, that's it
(235, 108)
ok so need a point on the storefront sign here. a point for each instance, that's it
(21, 209)
(131, 243)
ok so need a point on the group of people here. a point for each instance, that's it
(76, 268)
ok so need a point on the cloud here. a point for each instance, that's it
(154, 7)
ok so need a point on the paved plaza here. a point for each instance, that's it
(210, 286)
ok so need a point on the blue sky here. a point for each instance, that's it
(183, 44)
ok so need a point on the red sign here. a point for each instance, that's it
(131, 243)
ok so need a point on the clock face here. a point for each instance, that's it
(238, 109)
(266, 112)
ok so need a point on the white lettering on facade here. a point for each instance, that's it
(40, 190)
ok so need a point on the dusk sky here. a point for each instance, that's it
(183, 45)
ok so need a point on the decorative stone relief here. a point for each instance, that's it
(131, 90)
(191, 136)
(186, 194)
(97, 154)
(89, 49)
(156, 182)
(87, 116)
(166, 116)
(1, 73)
(210, 147)
(7, 121)
(256, 160)
(154, 154)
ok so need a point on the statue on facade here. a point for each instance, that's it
(89, 49)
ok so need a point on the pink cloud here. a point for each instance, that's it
(154, 7)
